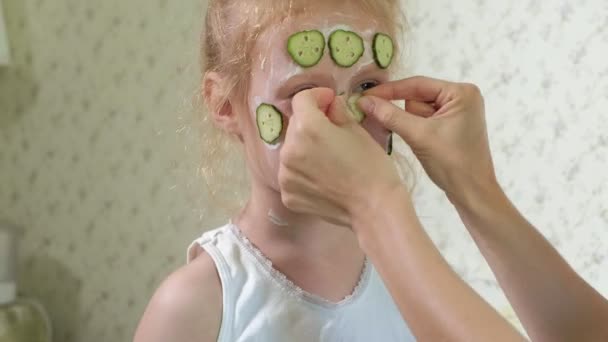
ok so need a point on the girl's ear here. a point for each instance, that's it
(220, 109)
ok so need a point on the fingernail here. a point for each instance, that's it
(366, 104)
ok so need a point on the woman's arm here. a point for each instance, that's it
(340, 173)
(436, 303)
(552, 301)
(445, 126)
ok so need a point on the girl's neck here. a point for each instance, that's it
(301, 235)
(318, 257)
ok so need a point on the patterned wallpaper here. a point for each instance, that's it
(95, 151)
(98, 153)
(543, 69)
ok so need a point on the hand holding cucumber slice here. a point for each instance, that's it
(359, 116)
(346, 48)
(306, 48)
(270, 123)
(384, 50)
(355, 112)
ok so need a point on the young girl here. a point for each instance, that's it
(271, 274)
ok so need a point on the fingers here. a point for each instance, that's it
(299, 194)
(313, 101)
(338, 112)
(310, 108)
(419, 88)
(422, 109)
(393, 118)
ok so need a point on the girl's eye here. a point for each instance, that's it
(366, 86)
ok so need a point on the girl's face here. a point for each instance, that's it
(276, 78)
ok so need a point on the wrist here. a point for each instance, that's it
(480, 200)
(374, 197)
(469, 192)
(381, 209)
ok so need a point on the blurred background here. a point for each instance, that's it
(99, 155)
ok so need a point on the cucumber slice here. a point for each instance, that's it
(354, 109)
(389, 148)
(306, 48)
(384, 50)
(346, 48)
(270, 123)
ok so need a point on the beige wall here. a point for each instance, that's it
(543, 69)
(90, 163)
(97, 154)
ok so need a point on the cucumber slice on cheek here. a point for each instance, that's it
(384, 50)
(270, 123)
(306, 48)
(346, 48)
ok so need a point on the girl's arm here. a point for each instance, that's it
(186, 308)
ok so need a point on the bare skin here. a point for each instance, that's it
(552, 301)
(183, 309)
(445, 127)
(435, 302)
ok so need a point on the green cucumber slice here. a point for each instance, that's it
(384, 50)
(389, 148)
(270, 123)
(354, 109)
(306, 48)
(346, 48)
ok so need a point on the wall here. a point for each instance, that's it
(91, 165)
(98, 157)
(543, 70)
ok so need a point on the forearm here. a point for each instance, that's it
(434, 301)
(551, 300)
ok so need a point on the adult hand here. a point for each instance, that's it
(330, 166)
(444, 124)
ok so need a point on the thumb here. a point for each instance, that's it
(311, 101)
(408, 126)
(338, 112)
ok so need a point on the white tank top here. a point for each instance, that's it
(261, 304)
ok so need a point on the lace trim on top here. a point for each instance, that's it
(294, 290)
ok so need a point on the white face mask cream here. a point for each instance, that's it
(278, 65)
(276, 220)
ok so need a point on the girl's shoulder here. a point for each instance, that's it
(187, 306)
(214, 237)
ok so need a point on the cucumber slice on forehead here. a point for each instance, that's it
(384, 50)
(354, 109)
(270, 123)
(306, 48)
(346, 48)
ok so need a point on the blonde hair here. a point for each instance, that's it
(232, 28)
